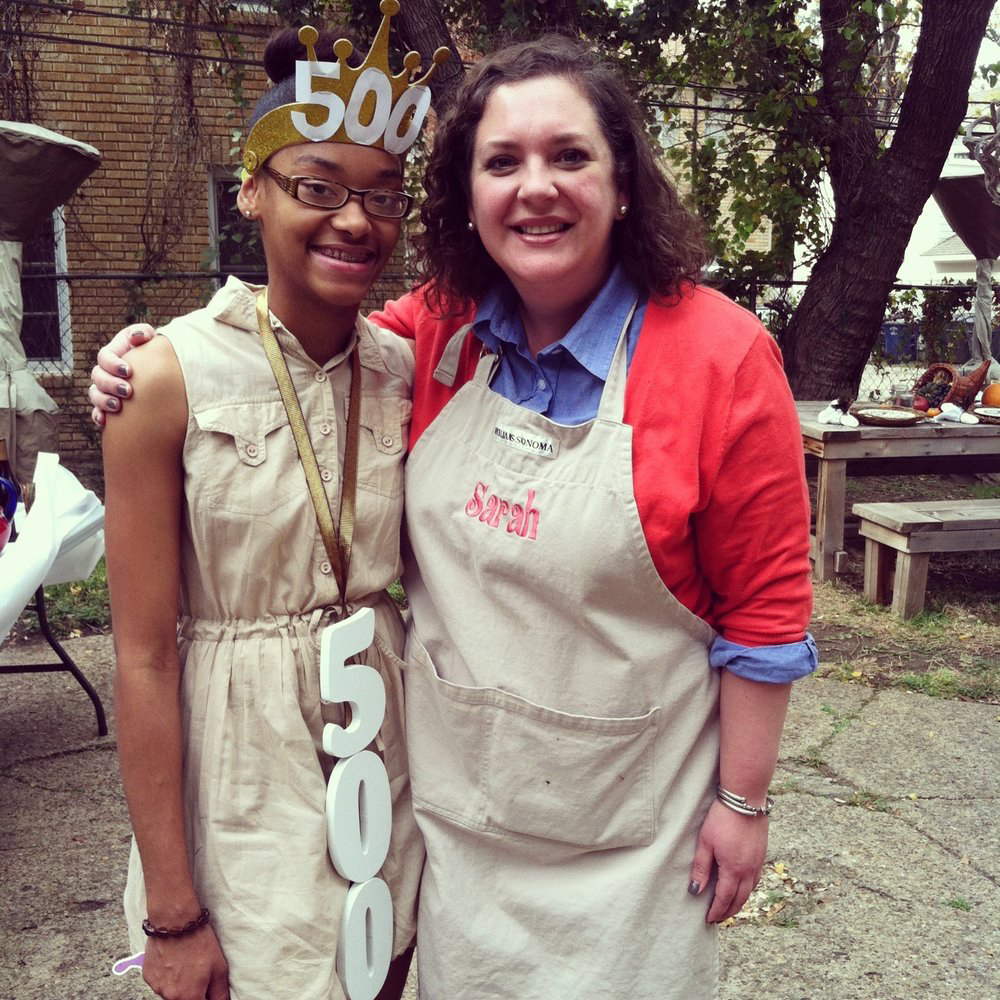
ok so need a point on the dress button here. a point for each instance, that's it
(387, 440)
(326, 475)
(325, 428)
(252, 450)
(324, 567)
(320, 376)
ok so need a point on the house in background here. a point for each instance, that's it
(935, 253)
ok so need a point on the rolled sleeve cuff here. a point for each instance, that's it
(771, 664)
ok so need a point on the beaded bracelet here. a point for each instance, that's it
(173, 932)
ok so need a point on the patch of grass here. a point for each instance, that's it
(984, 491)
(785, 920)
(869, 800)
(788, 785)
(949, 652)
(774, 896)
(78, 608)
(937, 684)
(960, 904)
(813, 757)
(935, 623)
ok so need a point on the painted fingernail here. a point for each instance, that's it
(121, 389)
(694, 887)
(112, 404)
(123, 371)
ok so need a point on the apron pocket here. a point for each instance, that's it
(577, 779)
(490, 760)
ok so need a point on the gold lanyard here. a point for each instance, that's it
(338, 546)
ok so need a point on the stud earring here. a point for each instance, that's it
(248, 214)
(471, 226)
(622, 209)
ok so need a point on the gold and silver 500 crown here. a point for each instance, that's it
(368, 106)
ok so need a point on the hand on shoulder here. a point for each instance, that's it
(110, 386)
(158, 413)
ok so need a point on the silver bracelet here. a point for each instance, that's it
(739, 804)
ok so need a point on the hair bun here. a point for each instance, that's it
(284, 49)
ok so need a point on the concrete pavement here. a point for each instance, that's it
(882, 880)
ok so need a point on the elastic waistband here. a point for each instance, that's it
(298, 625)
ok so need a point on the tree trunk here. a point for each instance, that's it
(424, 29)
(878, 198)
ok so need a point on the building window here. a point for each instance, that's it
(235, 240)
(46, 334)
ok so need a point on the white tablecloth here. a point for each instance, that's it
(59, 540)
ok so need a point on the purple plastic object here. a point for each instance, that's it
(124, 964)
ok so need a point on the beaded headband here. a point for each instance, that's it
(334, 102)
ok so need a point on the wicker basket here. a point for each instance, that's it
(963, 388)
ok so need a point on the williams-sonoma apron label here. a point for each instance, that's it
(520, 440)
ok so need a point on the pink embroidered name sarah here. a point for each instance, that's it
(522, 519)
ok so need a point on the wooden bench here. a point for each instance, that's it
(914, 530)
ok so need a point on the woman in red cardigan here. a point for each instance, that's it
(608, 553)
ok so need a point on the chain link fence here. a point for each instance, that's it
(77, 312)
(923, 324)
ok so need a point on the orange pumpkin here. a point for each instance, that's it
(991, 394)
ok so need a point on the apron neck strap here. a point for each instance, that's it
(337, 544)
(447, 368)
(613, 396)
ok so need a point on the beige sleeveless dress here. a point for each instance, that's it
(257, 590)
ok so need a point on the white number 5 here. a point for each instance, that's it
(304, 94)
(358, 685)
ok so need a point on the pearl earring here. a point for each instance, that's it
(471, 226)
(247, 213)
(622, 209)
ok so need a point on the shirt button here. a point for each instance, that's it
(325, 428)
(324, 567)
(541, 383)
(320, 376)
(326, 475)
(252, 450)
(386, 440)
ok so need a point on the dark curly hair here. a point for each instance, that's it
(659, 242)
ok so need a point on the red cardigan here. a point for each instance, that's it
(717, 456)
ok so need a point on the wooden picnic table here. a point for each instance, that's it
(926, 447)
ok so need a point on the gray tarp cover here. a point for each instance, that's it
(40, 170)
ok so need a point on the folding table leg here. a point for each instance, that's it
(46, 630)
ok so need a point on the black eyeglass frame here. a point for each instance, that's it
(291, 186)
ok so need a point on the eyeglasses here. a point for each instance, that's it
(383, 203)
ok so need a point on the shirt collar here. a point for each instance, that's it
(591, 340)
(236, 304)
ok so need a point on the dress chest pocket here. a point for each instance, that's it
(385, 424)
(242, 460)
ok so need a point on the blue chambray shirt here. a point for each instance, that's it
(564, 383)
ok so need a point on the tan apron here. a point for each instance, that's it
(562, 716)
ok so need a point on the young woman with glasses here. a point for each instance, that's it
(221, 582)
